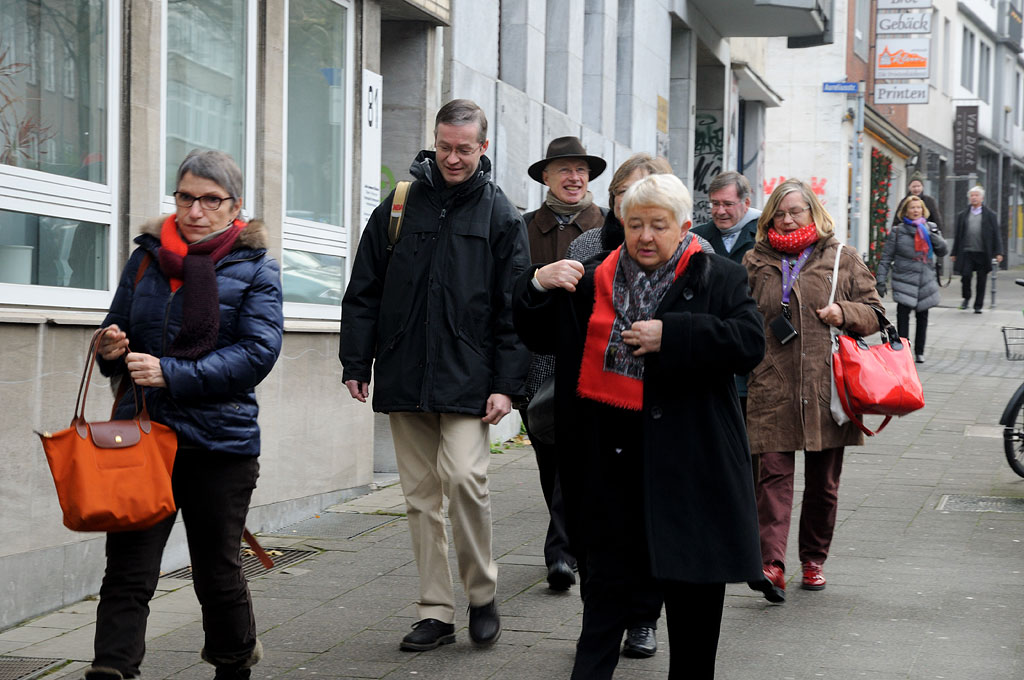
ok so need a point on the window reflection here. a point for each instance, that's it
(206, 77)
(52, 251)
(53, 58)
(313, 278)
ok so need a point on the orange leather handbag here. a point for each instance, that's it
(113, 475)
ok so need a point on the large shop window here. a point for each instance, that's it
(58, 123)
(319, 116)
(208, 75)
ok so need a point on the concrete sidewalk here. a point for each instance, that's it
(922, 585)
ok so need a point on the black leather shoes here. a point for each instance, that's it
(640, 643)
(963, 305)
(428, 634)
(484, 624)
(560, 576)
(919, 358)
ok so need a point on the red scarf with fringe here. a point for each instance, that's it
(597, 379)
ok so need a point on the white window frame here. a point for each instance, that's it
(249, 166)
(47, 195)
(298, 234)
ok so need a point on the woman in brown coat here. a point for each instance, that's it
(788, 403)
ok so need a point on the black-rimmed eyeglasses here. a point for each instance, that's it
(184, 200)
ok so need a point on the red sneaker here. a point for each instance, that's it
(813, 578)
(773, 585)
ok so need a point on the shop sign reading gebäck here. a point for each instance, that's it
(897, 58)
(904, 4)
(903, 22)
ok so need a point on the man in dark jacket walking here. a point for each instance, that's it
(432, 315)
(731, 231)
(977, 242)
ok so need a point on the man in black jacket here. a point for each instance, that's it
(977, 242)
(432, 315)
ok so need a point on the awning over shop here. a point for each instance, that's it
(877, 126)
(753, 18)
(752, 86)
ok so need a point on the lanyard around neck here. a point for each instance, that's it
(790, 272)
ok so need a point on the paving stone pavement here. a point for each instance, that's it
(915, 591)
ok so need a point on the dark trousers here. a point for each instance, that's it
(817, 512)
(920, 326)
(693, 612)
(556, 544)
(974, 263)
(212, 491)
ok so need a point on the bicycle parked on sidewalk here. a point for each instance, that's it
(1013, 415)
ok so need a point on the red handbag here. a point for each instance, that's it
(876, 379)
(113, 475)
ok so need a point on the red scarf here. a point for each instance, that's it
(195, 263)
(795, 241)
(596, 382)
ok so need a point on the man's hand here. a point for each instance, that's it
(358, 390)
(498, 406)
(645, 336)
(145, 369)
(562, 274)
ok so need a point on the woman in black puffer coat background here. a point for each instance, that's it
(910, 253)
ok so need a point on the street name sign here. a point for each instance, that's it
(901, 93)
(840, 86)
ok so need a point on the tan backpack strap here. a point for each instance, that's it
(397, 213)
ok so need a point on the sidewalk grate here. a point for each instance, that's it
(962, 503)
(251, 565)
(25, 667)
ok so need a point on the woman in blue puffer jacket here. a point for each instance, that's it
(196, 321)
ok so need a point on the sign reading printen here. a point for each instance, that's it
(901, 93)
(904, 4)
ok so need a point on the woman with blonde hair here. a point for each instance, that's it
(909, 253)
(789, 392)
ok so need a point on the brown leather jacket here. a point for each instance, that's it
(789, 393)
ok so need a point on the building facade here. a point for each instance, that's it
(324, 104)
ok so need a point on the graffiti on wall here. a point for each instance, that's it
(817, 186)
(707, 160)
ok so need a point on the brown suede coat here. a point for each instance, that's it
(789, 393)
(549, 240)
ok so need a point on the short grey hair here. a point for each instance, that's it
(215, 166)
(724, 179)
(661, 191)
(976, 190)
(462, 112)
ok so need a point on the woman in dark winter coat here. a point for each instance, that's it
(910, 253)
(788, 399)
(656, 475)
(197, 329)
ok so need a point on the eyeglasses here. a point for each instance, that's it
(793, 213)
(184, 200)
(465, 151)
(724, 204)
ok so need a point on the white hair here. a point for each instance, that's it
(663, 191)
(976, 190)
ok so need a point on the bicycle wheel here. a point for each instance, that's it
(1013, 435)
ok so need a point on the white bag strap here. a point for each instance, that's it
(835, 275)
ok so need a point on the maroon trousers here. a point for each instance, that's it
(774, 492)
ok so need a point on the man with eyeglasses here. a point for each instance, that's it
(731, 230)
(568, 211)
(432, 316)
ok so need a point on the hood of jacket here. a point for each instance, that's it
(254, 235)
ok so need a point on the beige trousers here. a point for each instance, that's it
(446, 454)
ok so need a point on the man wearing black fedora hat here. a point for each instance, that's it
(568, 211)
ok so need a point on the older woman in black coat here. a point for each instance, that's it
(656, 466)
